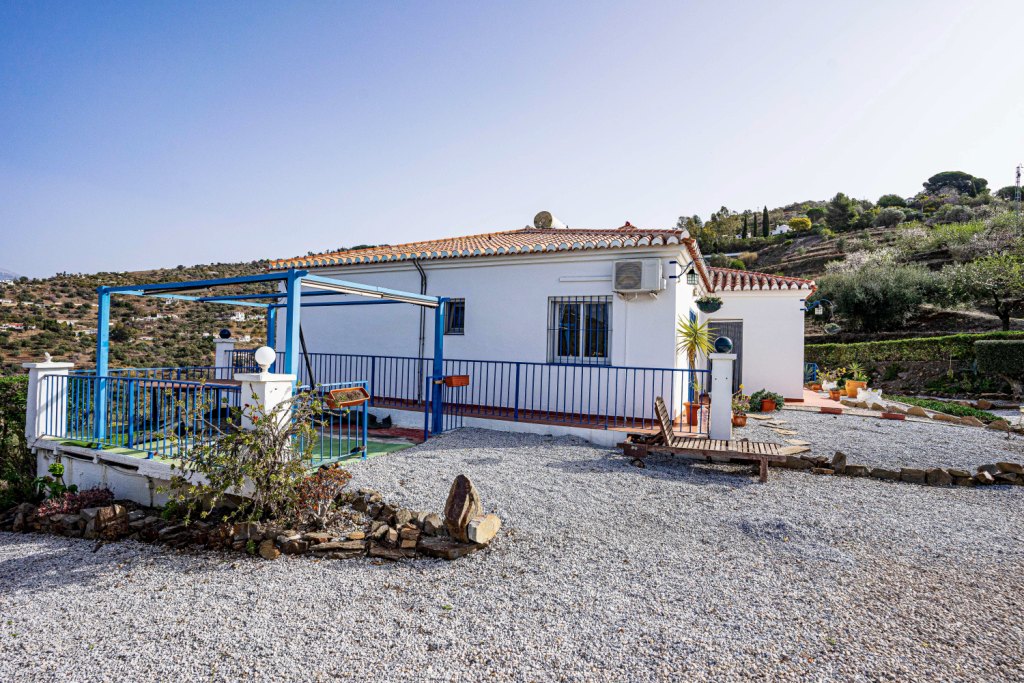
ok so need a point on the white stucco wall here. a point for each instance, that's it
(507, 309)
(773, 338)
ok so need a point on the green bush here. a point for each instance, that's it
(1004, 358)
(945, 407)
(17, 466)
(945, 348)
(878, 297)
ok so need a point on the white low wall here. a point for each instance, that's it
(137, 479)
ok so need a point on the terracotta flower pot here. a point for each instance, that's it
(768, 406)
(835, 394)
(693, 413)
(852, 387)
(739, 420)
(815, 387)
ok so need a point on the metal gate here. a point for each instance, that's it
(449, 415)
(733, 329)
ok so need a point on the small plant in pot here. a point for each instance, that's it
(831, 382)
(709, 304)
(856, 379)
(765, 401)
(740, 403)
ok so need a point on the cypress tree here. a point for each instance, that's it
(744, 226)
(764, 221)
(754, 233)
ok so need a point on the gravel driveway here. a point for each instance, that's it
(602, 572)
(892, 443)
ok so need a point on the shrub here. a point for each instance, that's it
(72, 503)
(878, 297)
(317, 493)
(800, 223)
(952, 213)
(749, 258)
(1003, 358)
(960, 347)
(946, 407)
(765, 395)
(890, 200)
(890, 217)
(17, 464)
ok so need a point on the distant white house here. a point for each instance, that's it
(238, 317)
(781, 229)
(564, 296)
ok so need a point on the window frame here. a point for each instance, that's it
(449, 331)
(556, 328)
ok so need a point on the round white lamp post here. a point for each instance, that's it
(265, 357)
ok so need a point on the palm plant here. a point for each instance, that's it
(693, 338)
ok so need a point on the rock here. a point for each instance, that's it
(20, 520)
(938, 477)
(433, 524)
(136, 516)
(482, 529)
(991, 468)
(387, 512)
(983, 477)
(999, 425)
(912, 475)
(855, 471)
(964, 481)
(357, 546)
(294, 546)
(268, 551)
(380, 532)
(360, 504)
(420, 518)
(971, 421)
(959, 474)
(402, 517)
(1006, 478)
(445, 548)
(463, 504)
(942, 417)
(408, 536)
(839, 462)
(1010, 467)
(171, 530)
(822, 470)
(897, 409)
(316, 537)
(392, 554)
(878, 407)
(983, 404)
(356, 536)
(391, 537)
(243, 531)
(917, 411)
(884, 474)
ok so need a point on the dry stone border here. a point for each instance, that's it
(373, 528)
(895, 408)
(993, 473)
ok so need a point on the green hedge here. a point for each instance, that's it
(17, 465)
(1001, 357)
(954, 346)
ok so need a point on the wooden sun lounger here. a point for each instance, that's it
(638, 446)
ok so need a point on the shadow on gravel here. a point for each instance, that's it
(665, 468)
(61, 563)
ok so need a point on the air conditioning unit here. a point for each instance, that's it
(636, 276)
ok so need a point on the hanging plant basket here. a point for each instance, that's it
(709, 304)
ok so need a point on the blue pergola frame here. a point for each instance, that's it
(293, 296)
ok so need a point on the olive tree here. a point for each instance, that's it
(1003, 358)
(880, 296)
(996, 280)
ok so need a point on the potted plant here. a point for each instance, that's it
(857, 379)
(709, 304)
(830, 382)
(740, 403)
(692, 339)
(765, 401)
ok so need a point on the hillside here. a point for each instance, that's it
(58, 315)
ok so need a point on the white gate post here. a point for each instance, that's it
(721, 395)
(222, 355)
(47, 401)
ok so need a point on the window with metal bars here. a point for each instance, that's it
(579, 330)
(455, 317)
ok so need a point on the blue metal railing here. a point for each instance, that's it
(340, 433)
(162, 417)
(594, 396)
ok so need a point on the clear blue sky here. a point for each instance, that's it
(141, 134)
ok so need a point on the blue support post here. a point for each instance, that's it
(437, 388)
(102, 361)
(366, 427)
(293, 308)
(272, 332)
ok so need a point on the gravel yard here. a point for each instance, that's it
(602, 571)
(892, 443)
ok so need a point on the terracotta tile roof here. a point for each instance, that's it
(533, 241)
(525, 241)
(729, 280)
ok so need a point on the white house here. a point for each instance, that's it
(567, 296)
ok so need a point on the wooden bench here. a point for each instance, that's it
(637, 446)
